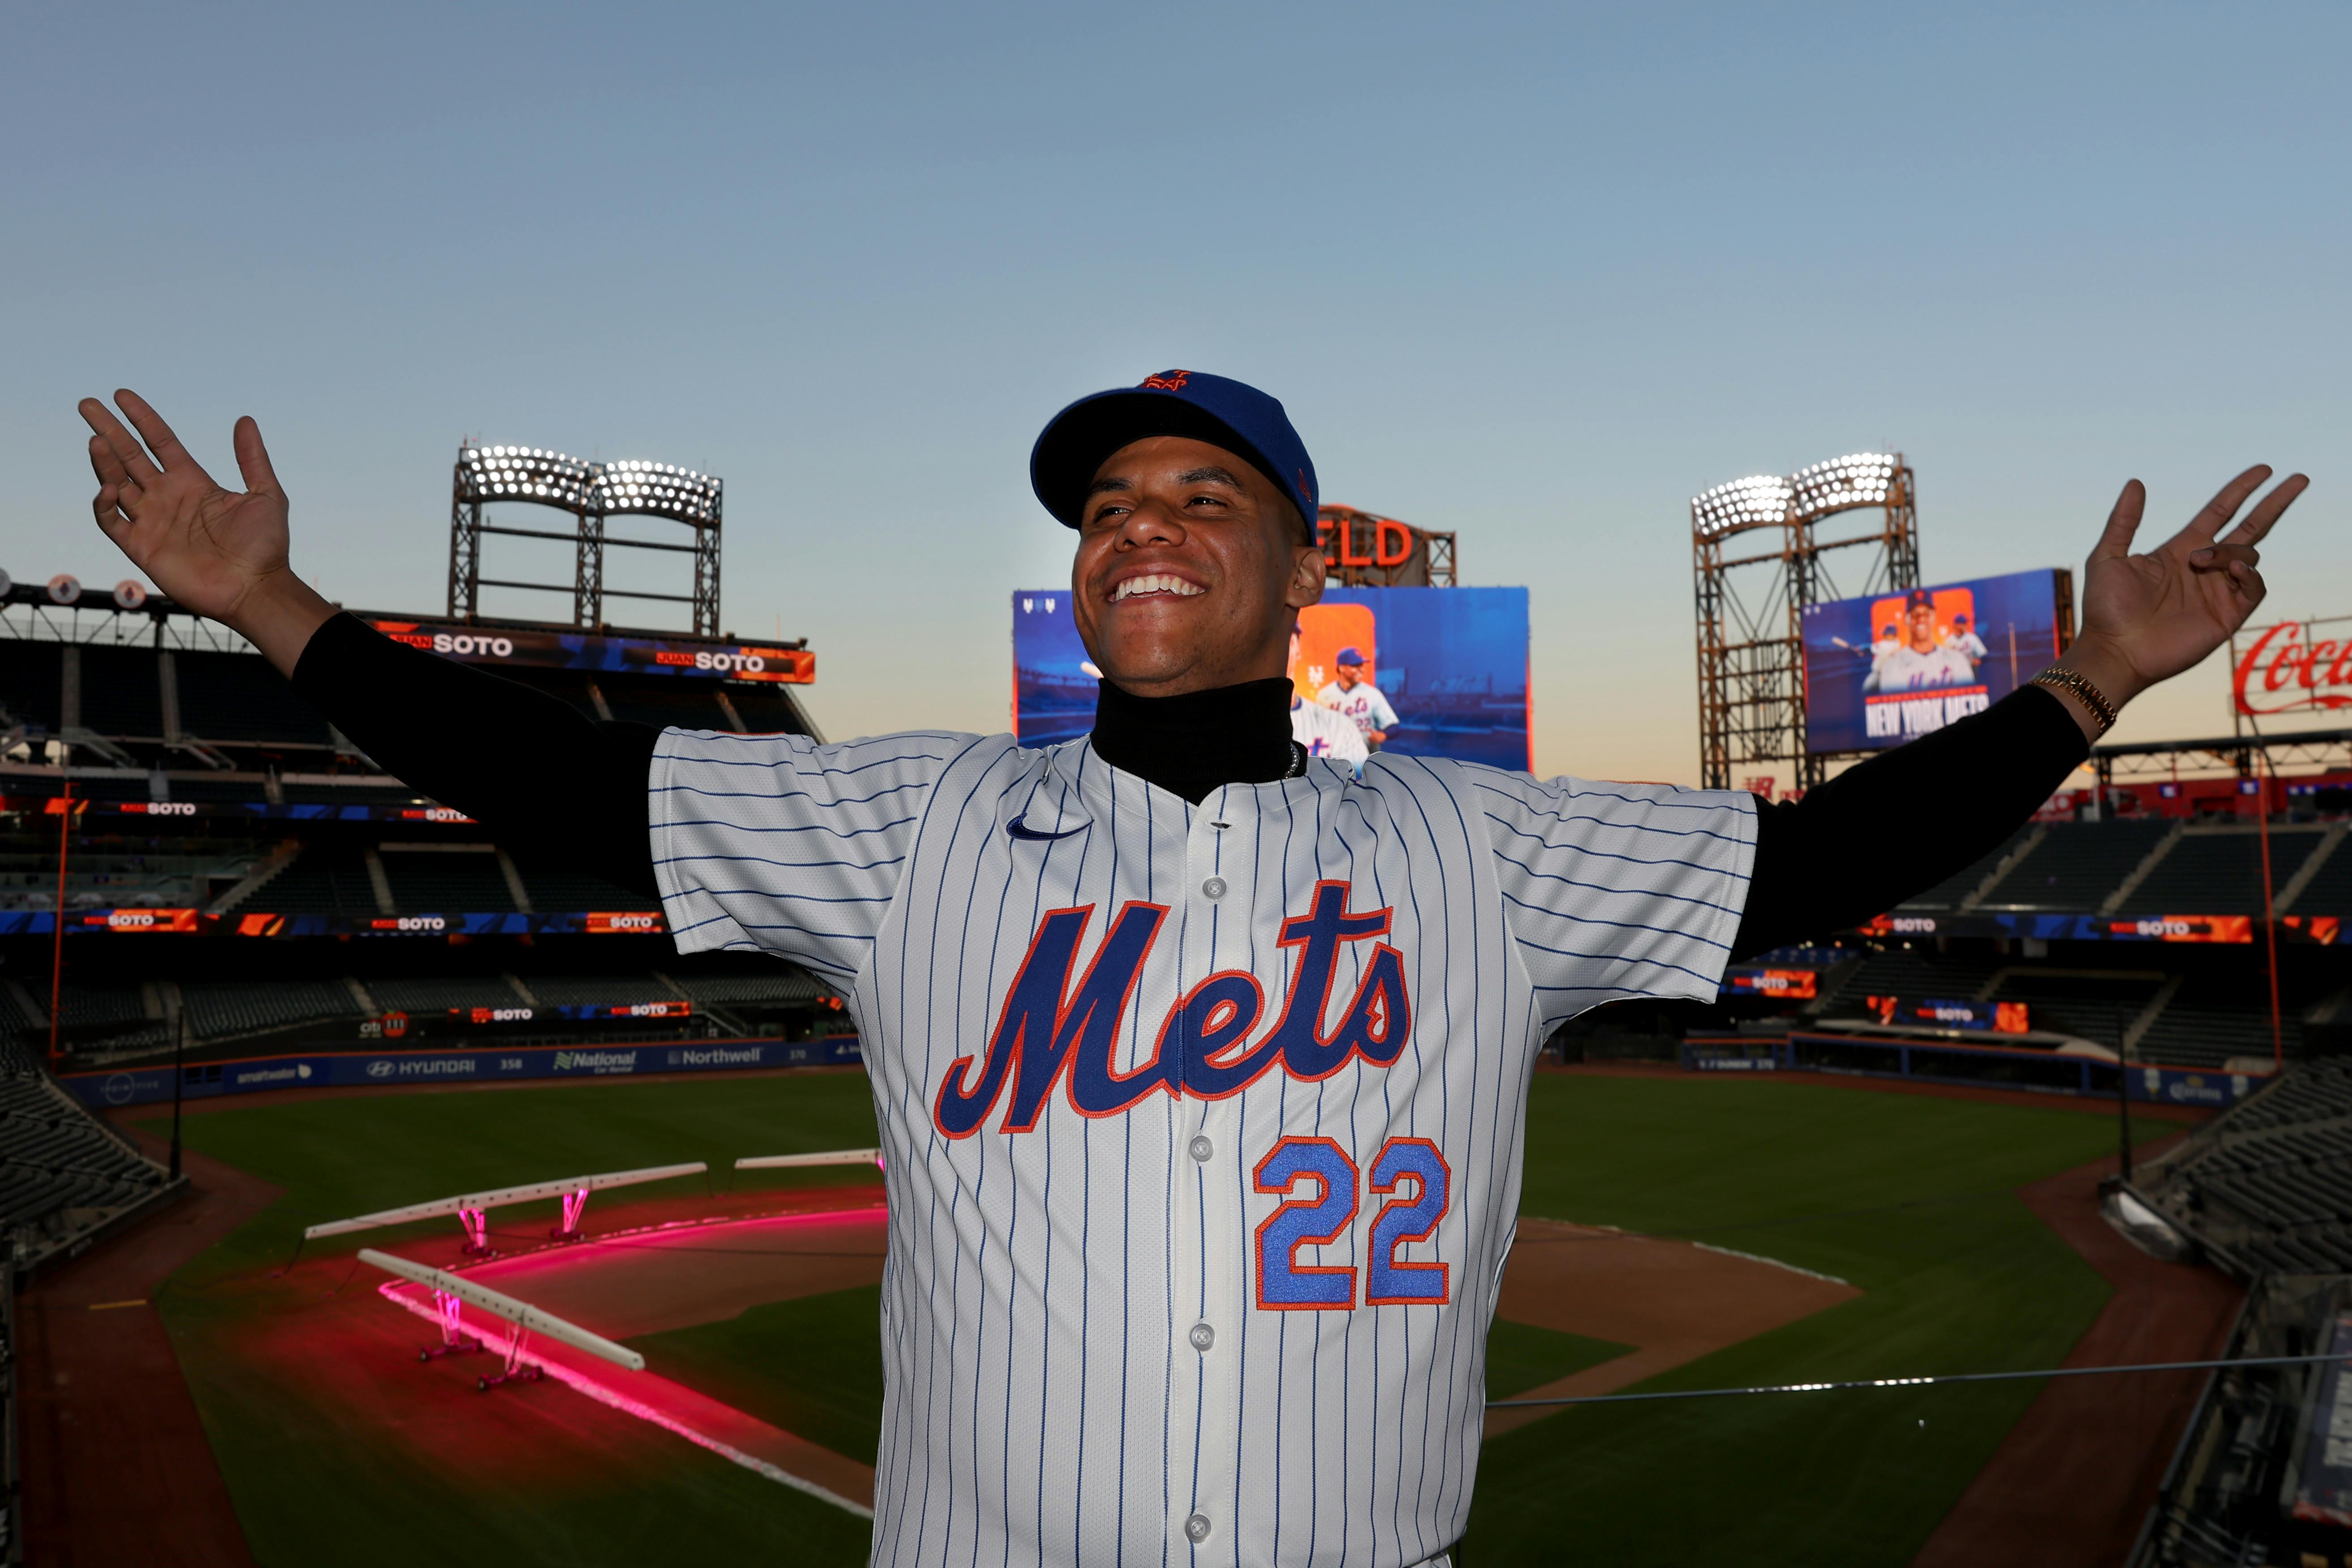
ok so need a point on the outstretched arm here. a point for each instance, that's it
(556, 784)
(1905, 820)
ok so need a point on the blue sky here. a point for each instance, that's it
(1533, 275)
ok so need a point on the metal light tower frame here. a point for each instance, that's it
(1364, 549)
(591, 493)
(1752, 600)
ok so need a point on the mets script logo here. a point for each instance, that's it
(1167, 379)
(1047, 1032)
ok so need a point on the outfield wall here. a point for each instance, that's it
(361, 1070)
(1990, 1067)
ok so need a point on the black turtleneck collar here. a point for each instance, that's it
(1201, 741)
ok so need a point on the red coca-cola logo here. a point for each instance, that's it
(2285, 672)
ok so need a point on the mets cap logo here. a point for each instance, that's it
(1167, 379)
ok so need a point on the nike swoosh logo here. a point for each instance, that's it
(1018, 827)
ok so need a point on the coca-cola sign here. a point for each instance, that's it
(2290, 668)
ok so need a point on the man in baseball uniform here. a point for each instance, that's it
(1322, 731)
(1356, 699)
(1965, 643)
(1201, 1064)
(1922, 661)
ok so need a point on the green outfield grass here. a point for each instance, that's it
(1908, 1197)
(338, 1447)
(758, 1361)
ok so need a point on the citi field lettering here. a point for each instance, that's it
(1046, 1031)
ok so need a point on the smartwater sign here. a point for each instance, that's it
(146, 1086)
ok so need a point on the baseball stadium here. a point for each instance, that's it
(371, 1189)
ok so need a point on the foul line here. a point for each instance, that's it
(1927, 1382)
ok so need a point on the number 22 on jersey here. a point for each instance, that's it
(1318, 1184)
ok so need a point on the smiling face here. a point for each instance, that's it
(1191, 569)
(1922, 619)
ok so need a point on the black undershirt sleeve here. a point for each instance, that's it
(560, 789)
(1905, 820)
(566, 790)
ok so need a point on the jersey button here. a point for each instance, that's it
(1196, 1529)
(1215, 886)
(1202, 1148)
(1202, 1337)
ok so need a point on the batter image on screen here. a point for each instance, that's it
(1922, 658)
(1323, 731)
(1200, 1064)
(1965, 643)
(1352, 695)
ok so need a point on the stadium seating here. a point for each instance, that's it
(121, 694)
(217, 1009)
(430, 994)
(784, 984)
(578, 892)
(1949, 893)
(2219, 872)
(2272, 1181)
(30, 683)
(1911, 972)
(122, 876)
(61, 1173)
(346, 794)
(2098, 1007)
(236, 697)
(2077, 866)
(323, 879)
(598, 990)
(2217, 1014)
(87, 1006)
(2329, 891)
(446, 883)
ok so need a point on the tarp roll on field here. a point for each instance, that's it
(520, 1313)
(522, 1194)
(831, 1157)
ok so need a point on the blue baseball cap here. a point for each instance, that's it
(1354, 656)
(1189, 403)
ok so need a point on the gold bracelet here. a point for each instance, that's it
(2088, 695)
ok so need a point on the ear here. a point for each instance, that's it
(1307, 573)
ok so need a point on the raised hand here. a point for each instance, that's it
(2147, 617)
(220, 553)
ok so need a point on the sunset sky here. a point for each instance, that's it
(1533, 276)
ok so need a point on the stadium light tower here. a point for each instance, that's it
(1753, 586)
(591, 493)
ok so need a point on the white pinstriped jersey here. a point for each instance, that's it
(1325, 734)
(1203, 1125)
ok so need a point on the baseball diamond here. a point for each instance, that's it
(1201, 1066)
